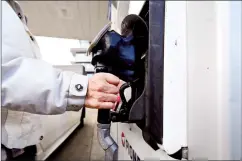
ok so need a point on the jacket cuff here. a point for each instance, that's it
(77, 92)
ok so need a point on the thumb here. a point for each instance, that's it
(112, 79)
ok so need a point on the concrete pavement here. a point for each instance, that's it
(82, 145)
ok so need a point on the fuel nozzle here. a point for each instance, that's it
(121, 110)
(121, 56)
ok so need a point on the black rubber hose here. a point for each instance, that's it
(103, 116)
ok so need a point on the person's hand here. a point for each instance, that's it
(102, 91)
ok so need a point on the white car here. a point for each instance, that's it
(57, 128)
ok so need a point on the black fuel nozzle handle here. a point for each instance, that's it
(123, 87)
(122, 114)
(121, 92)
(104, 115)
(121, 98)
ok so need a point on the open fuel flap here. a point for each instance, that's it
(137, 57)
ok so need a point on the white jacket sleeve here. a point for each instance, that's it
(33, 85)
(36, 87)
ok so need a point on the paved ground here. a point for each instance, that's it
(82, 145)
